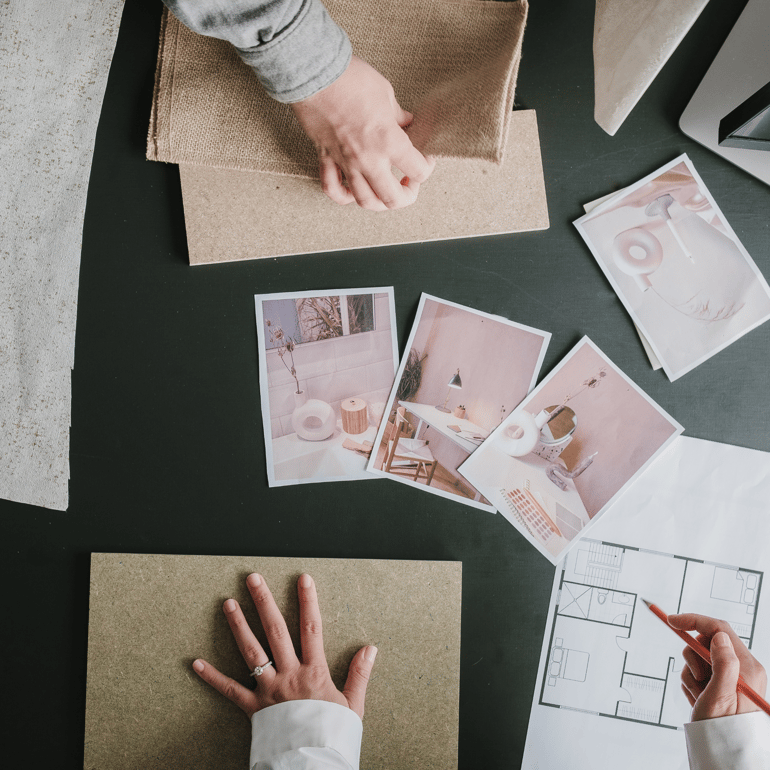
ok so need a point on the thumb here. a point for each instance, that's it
(720, 693)
(358, 677)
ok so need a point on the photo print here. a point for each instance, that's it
(569, 450)
(462, 372)
(677, 266)
(326, 367)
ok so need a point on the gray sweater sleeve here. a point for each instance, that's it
(293, 46)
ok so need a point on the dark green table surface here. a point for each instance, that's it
(167, 452)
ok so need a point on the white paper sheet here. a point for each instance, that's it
(552, 493)
(55, 61)
(677, 266)
(496, 362)
(690, 536)
(339, 363)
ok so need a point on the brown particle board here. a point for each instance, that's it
(234, 215)
(152, 615)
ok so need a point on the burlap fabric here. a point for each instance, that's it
(452, 63)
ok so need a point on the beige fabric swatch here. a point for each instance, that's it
(233, 215)
(151, 616)
(632, 42)
(55, 61)
(452, 63)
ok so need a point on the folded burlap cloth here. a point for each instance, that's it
(452, 63)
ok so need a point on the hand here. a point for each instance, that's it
(711, 690)
(289, 678)
(357, 126)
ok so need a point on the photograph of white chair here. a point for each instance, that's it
(410, 456)
(326, 367)
(569, 450)
(677, 266)
(462, 372)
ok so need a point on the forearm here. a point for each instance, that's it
(293, 46)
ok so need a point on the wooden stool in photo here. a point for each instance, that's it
(407, 456)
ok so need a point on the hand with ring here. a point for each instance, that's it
(286, 677)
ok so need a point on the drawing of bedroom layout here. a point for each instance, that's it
(609, 655)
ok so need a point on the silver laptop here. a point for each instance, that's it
(740, 70)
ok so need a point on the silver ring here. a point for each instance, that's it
(259, 670)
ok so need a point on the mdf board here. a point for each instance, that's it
(233, 215)
(152, 615)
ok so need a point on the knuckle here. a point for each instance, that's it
(391, 203)
(276, 631)
(361, 673)
(230, 690)
(252, 652)
(312, 627)
(261, 595)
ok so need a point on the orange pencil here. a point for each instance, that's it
(694, 644)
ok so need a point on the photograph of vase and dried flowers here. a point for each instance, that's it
(326, 366)
(677, 266)
(463, 370)
(570, 450)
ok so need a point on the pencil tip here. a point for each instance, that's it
(649, 604)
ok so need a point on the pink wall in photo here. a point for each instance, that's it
(613, 419)
(496, 363)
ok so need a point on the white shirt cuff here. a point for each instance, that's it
(299, 725)
(739, 742)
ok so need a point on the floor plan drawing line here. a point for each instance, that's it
(607, 659)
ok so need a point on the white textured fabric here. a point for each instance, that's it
(632, 42)
(740, 742)
(55, 60)
(305, 735)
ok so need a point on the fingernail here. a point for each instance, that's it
(370, 654)
(721, 639)
(305, 581)
(230, 605)
(198, 665)
(254, 580)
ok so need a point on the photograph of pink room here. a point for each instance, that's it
(326, 366)
(570, 449)
(677, 265)
(462, 372)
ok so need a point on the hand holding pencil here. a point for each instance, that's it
(713, 690)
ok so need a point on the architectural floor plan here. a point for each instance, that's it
(609, 655)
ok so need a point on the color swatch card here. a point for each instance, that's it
(677, 265)
(570, 450)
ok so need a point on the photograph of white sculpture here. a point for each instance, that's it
(677, 266)
(326, 367)
(463, 370)
(570, 449)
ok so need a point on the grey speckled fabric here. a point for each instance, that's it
(56, 57)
